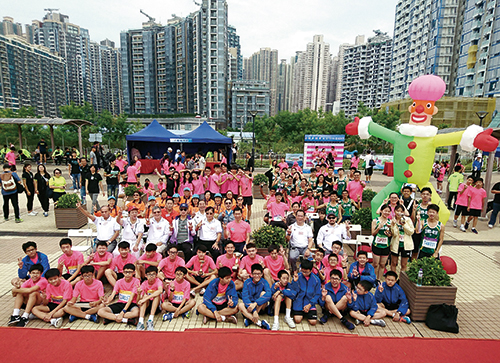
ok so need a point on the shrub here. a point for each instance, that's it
(434, 273)
(346, 164)
(368, 195)
(268, 235)
(130, 190)
(363, 217)
(260, 179)
(68, 200)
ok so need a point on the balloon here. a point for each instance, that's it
(449, 265)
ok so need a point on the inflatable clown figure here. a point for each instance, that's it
(415, 143)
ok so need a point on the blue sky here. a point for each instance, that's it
(285, 25)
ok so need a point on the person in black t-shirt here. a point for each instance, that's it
(496, 205)
(84, 172)
(42, 147)
(112, 174)
(74, 171)
(94, 185)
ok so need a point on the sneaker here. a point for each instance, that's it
(72, 318)
(490, 225)
(378, 322)
(205, 320)
(132, 321)
(466, 225)
(58, 322)
(150, 325)
(347, 324)
(233, 319)
(462, 228)
(202, 291)
(33, 213)
(14, 319)
(94, 318)
(323, 319)
(32, 316)
(140, 326)
(455, 223)
(357, 322)
(276, 327)
(24, 321)
(167, 316)
(45, 214)
(186, 315)
(265, 325)
(19, 220)
(289, 321)
(247, 322)
(405, 319)
(474, 230)
(106, 321)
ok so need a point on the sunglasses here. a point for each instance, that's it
(209, 213)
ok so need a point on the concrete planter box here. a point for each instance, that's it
(421, 297)
(69, 218)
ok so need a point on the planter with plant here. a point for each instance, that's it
(66, 214)
(436, 286)
(366, 199)
(268, 235)
(258, 180)
(130, 190)
(363, 217)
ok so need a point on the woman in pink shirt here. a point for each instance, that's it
(199, 183)
(10, 157)
(283, 164)
(120, 163)
(355, 160)
(132, 174)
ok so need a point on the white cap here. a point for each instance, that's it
(178, 151)
(169, 149)
(479, 155)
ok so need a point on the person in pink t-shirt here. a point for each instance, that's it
(246, 190)
(178, 300)
(475, 203)
(201, 270)
(72, 260)
(149, 258)
(238, 231)
(91, 293)
(233, 180)
(231, 261)
(246, 262)
(10, 157)
(132, 173)
(57, 294)
(214, 181)
(168, 265)
(149, 297)
(115, 271)
(29, 294)
(274, 263)
(333, 260)
(462, 200)
(100, 259)
(277, 211)
(125, 310)
(309, 203)
(120, 163)
(355, 187)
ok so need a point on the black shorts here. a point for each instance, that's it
(402, 252)
(311, 315)
(148, 309)
(52, 306)
(118, 307)
(248, 200)
(381, 251)
(391, 306)
(417, 241)
(422, 254)
(200, 279)
(119, 276)
(475, 212)
(369, 171)
(460, 209)
(68, 275)
(221, 306)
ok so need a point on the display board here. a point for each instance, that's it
(323, 142)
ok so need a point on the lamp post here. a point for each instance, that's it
(253, 113)
(481, 115)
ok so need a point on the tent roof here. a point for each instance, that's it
(153, 132)
(205, 133)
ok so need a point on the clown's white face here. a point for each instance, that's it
(421, 112)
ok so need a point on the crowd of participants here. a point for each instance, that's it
(191, 236)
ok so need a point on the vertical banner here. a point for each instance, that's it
(324, 144)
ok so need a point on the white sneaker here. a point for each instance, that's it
(455, 223)
(276, 327)
(378, 322)
(490, 225)
(202, 291)
(31, 316)
(289, 321)
(58, 322)
(33, 213)
(462, 228)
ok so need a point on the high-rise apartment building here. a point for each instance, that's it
(233, 41)
(246, 96)
(426, 41)
(331, 92)
(8, 27)
(366, 73)
(263, 66)
(479, 55)
(312, 72)
(30, 76)
(283, 87)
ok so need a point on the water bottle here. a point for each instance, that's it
(420, 277)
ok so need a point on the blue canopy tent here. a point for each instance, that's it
(153, 138)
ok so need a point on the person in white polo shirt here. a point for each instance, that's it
(300, 236)
(159, 230)
(133, 229)
(107, 228)
(332, 232)
(210, 233)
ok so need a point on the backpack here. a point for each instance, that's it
(8, 182)
(437, 171)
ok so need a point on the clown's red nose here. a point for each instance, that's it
(419, 109)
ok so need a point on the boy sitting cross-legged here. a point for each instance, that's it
(149, 297)
(391, 299)
(220, 300)
(91, 293)
(282, 291)
(333, 299)
(363, 305)
(255, 294)
(178, 300)
(201, 270)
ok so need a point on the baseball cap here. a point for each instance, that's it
(331, 215)
(132, 207)
(151, 198)
(218, 195)
(183, 205)
(178, 151)
(187, 188)
(176, 195)
(111, 197)
(169, 149)
(196, 196)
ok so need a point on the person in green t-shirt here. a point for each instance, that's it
(432, 233)
(454, 181)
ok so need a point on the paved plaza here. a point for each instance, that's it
(477, 257)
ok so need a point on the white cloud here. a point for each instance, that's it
(286, 25)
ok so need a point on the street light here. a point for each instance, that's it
(481, 115)
(253, 113)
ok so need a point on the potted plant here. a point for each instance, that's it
(363, 217)
(436, 286)
(258, 180)
(268, 235)
(66, 214)
(366, 199)
(130, 190)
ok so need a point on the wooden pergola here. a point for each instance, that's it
(45, 121)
